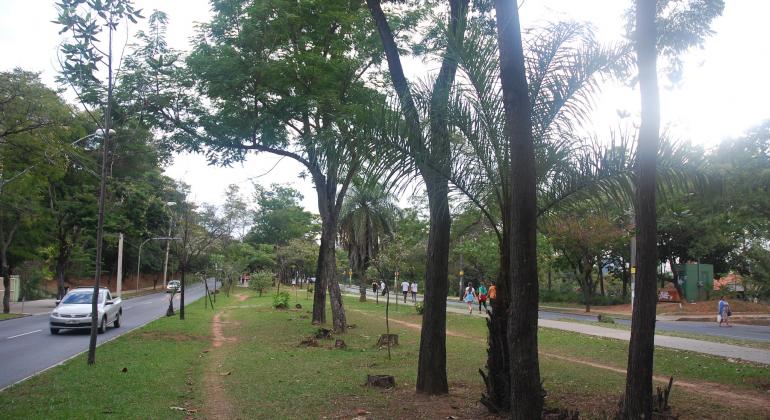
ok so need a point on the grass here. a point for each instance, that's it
(160, 360)
(258, 370)
(762, 345)
(3, 317)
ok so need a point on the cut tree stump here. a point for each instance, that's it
(381, 381)
(323, 333)
(340, 344)
(387, 338)
(309, 342)
(298, 306)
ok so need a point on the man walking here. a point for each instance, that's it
(405, 288)
(414, 291)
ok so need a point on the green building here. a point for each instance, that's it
(696, 280)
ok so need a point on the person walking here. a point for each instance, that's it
(383, 287)
(374, 287)
(469, 297)
(724, 312)
(414, 291)
(405, 288)
(482, 296)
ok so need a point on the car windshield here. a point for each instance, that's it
(81, 297)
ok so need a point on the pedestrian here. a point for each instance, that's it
(383, 287)
(482, 296)
(374, 287)
(414, 291)
(724, 312)
(405, 288)
(469, 297)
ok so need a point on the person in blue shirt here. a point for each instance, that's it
(724, 312)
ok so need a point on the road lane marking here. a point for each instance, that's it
(27, 333)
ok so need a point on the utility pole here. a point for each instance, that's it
(120, 265)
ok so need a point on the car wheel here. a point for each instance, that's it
(102, 326)
(116, 324)
(54, 331)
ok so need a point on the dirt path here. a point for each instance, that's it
(705, 389)
(216, 402)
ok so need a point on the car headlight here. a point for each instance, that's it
(55, 314)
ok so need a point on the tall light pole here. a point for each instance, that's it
(169, 204)
(139, 258)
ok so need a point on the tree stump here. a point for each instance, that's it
(340, 344)
(386, 339)
(381, 381)
(309, 342)
(323, 333)
(298, 306)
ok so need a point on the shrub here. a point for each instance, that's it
(261, 280)
(419, 307)
(605, 319)
(281, 300)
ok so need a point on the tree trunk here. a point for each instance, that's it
(526, 391)
(601, 277)
(498, 377)
(319, 289)
(362, 285)
(327, 264)
(6, 273)
(431, 368)
(638, 397)
(587, 290)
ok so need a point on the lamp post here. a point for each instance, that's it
(139, 258)
(169, 204)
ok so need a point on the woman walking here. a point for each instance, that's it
(724, 312)
(469, 297)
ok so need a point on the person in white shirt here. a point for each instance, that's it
(383, 287)
(414, 291)
(405, 288)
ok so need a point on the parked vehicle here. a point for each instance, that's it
(74, 310)
(173, 286)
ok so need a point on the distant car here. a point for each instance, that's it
(74, 310)
(173, 286)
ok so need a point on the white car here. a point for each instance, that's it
(173, 286)
(74, 310)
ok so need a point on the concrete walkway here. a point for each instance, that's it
(699, 346)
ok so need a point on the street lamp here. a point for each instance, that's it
(139, 259)
(169, 204)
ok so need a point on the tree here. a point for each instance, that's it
(430, 153)
(519, 218)
(82, 59)
(366, 219)
(693, 23)
(279, 217)
(31, 144)
(583, 240)
(283, 78)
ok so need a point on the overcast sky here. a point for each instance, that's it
(723, 92)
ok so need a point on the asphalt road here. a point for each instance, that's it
(741, 332)
(27, 346)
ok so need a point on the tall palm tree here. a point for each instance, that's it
(366, 218)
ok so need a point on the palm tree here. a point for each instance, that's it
(366, 219)
(563, 64)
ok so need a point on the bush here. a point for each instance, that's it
(605, 319)
(261, 280)
(419, 307)
(281, 300)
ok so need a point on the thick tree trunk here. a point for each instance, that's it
(498, 377)
(638, 397)
(319, 289)
(526, 390)
(431, 368)
(362, 285)
(326, 272)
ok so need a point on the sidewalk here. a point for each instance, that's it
(699, 346)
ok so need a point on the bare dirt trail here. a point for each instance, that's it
(217, 404)
(705, 389)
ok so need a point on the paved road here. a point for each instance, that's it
(27, 346)
(742, 332)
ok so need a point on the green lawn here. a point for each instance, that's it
(255, 368)
(160, 360)
(3, 317)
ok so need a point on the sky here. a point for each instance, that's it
(722, 94)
